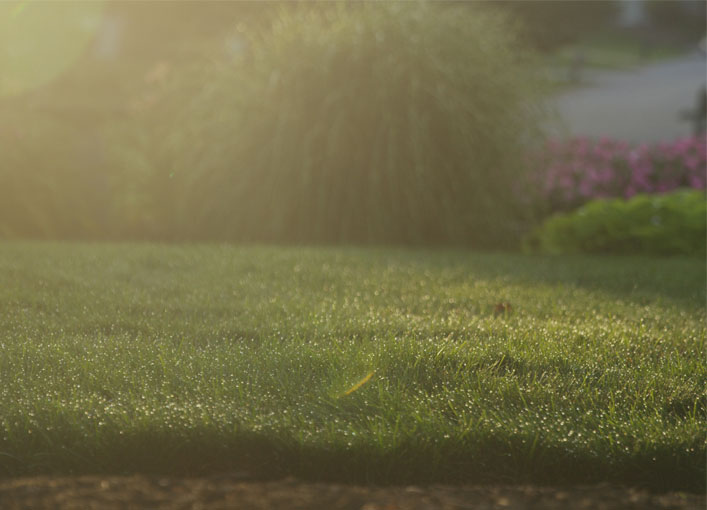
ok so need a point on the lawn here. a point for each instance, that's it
(382, 365)
(606, 51)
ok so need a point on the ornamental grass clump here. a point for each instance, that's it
(388, 122)
(60, 179)
(582, 169)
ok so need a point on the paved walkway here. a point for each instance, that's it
(639, 105)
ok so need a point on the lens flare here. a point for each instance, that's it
(39, 41)
(19, 8)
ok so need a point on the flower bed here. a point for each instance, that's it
(583, 169)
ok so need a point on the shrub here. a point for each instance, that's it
(388, 122)
(579, 170)
(669, 224)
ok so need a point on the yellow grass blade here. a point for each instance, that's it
(359, 383)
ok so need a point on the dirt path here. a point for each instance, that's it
(228, 492)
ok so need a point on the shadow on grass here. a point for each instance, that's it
(261, 456)
(632, 278)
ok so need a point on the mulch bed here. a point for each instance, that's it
(232, 492)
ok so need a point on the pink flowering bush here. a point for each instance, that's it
(582, 169)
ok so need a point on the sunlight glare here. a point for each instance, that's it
(41, 40)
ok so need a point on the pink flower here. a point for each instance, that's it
(580, 169)
(692, 163)
(696, 182)
(586, 188)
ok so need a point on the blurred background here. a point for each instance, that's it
(463, 123)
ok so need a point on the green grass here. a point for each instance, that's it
(617, 51)
(605, 52)
(195, 359)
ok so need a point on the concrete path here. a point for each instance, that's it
(639, 105)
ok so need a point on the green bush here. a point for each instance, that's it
(387, 122)
(670, 224)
